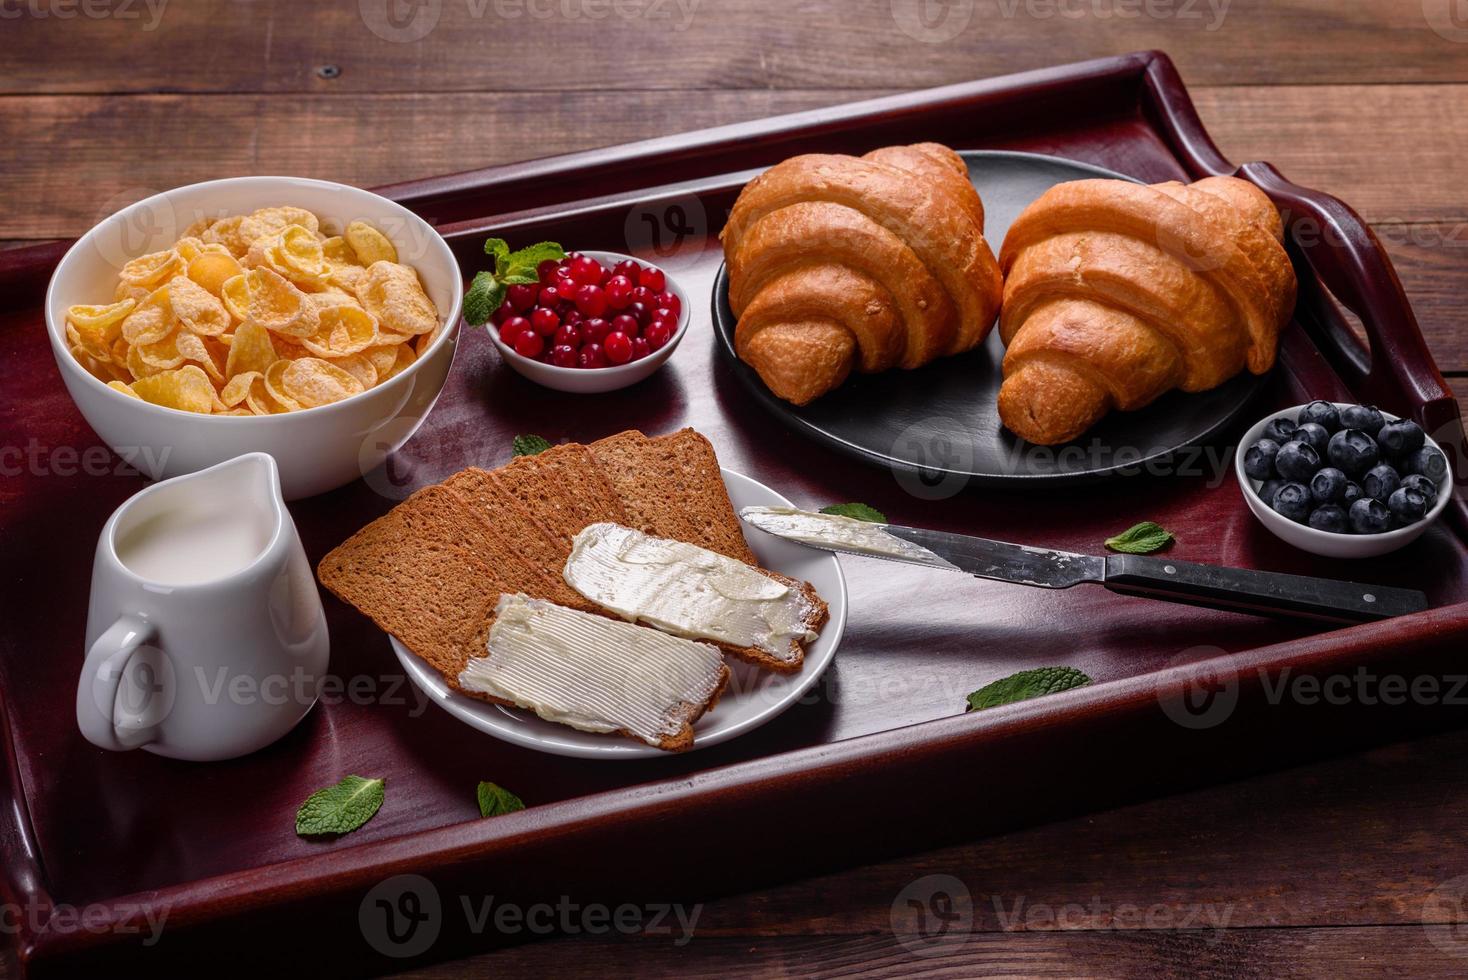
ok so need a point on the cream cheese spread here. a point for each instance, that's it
(839, 533)
(593, 673)
(687, 591)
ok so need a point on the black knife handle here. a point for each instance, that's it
(1245, 590)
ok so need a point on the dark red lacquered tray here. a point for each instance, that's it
(880, 760)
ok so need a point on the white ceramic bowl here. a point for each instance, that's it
(316, 449)
(1328, 543)
(590, 381)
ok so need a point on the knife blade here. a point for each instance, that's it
(1212, 586)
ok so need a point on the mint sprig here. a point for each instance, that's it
(340, 809)
(495, 800)
(528, 445)
(1140, 539)
(487, 290)
(1025, 685)
(860, 512)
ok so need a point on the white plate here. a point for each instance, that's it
(752, 697)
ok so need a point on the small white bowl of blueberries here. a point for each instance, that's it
(1343, 481)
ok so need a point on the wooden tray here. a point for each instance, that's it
(882, 761)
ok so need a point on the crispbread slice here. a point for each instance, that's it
(436, 597)
(564, 487)
(514, 529)
(671, 487)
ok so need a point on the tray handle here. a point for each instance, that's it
(1397, 370)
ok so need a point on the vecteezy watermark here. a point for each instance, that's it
(932, 21)
(1210, 694)
(1021, 915)
(117, 919)
(149, 13)
(933, 915)
(36, 459)
(1447, 18)
(405, 21)
(674, 232)
(403, 916)
(1445, 916)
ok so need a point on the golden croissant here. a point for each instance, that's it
(1115, 293)
(868, 263)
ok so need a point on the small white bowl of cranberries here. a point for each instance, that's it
(596, 321)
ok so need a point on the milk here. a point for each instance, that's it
(190, 547)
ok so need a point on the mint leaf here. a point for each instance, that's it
(1025, 685)
(860, 512)
(528, 445)
(483, 297)
(496, 800)
(1140, 539)
(340, 809)
(519, 267)
(499, 248)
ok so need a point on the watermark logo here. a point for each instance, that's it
(401, 917)
(674, 233)
(932, 21)
(933, 915)
(1447, 18)
(400, 21)
(1208, 696)
(941, 452)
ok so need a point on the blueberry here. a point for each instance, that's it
(1314, 434)
(1293, 501)
(1370, 516)
(1328, 486)
(1330, 517)
(1297, 461)
(1401, 438)
(1353, 493)
(1281, 429)
(1363, 417)
(1353, 451)
(1429, 462)
(1323, 414)
(1269, 489)
(1408, 505)
(1422, 485)
(1259, 459)
(1380, 481)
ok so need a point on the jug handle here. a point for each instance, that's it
(102, 722)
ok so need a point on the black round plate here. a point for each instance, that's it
(941, 421)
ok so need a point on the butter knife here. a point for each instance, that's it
(1213, 586)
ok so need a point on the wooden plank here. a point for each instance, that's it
(74, 159)
(479, 45)
(1403, 951)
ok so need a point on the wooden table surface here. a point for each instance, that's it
(1355, 866)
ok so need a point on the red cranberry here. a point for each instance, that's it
(512, 328)
(502, 313)
(653, 279)
(586, 271)
(566, 286)
(626, 324)
(637, 311)
(643, 295)
(521, 297)
(550, 296)
(590, 300)
(663, 313)
(571, 257)
(544, 320)
(591, 356)
(568, 336)
(594, 330)
(529, 344)
(563, 355)
(657, 334)
(628, 269)
(619, 292)
(546, 271)
(668, 300)
(670, 327)
(618, 347)
(646, 316)
(640, 348)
